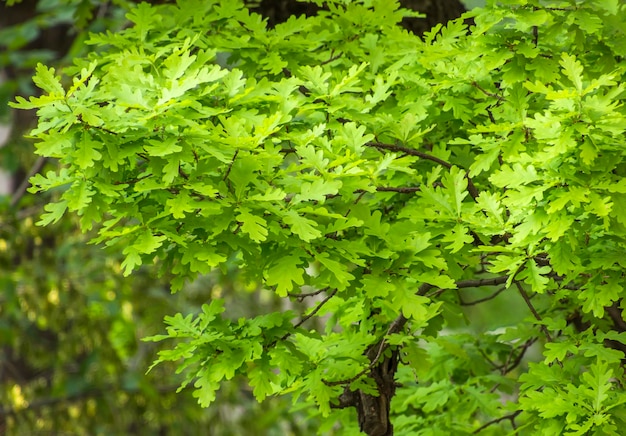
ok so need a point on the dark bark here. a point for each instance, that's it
(437, 11)
(373, 410)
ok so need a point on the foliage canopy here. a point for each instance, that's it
(385, 178)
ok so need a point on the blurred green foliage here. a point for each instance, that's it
(71, 358)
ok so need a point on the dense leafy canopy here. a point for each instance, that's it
(384, 178)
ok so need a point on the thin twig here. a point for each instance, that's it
(412, 152)
(21, 190)
(487, 93)
(230, 166)
(511, 417)
(472, 283)
(482, 300)
(400, 190)
(310, 315)
(524, 295)
(510, 366)
(332, 58)
(301, 297)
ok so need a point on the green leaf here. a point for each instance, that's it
(261, 381)
(206, 388)
(163, 147)
(573, 70)
(490, 203)
(317, 190)
(147, 242)
(596, 297)
(87, 151)
(252, 225)
(303, 227)
(79, 195)
(559, 351)
(284, 273)
(131, 261)
(341, 276)
(54, 212)
(599, 379)
(180, 204)
(534, 275)
(412, 306)
(45, 79)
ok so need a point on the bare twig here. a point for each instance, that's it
(510, 366)
(301, 297)
(482, 300)
(21, 190)
(412, 152)
(472, 283)
(511, 417)
(312, 314)
(331, 58)
(487, 93)
(524, 295)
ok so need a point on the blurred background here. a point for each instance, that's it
(71, 357)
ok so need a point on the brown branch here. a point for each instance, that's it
(310, 315)
(482, 300)
(487, 93)
(524, 295)
(472, 283)
(21, 190)
(510, 366)
(332, 58)
(394, 327)
(511, 417)
(132, 181)
(301, 297)
(230, 166)
(412, 152)
(616, 316)
(400, 190)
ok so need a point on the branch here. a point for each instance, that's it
(510, 417)
(331, 58)
(472, 283)
(476, 283)
(310, 315)
(524, 295)
(301, 297)
(401, 190)
(481, 300)
(487, 93)
(398, 324)
(412, 152)
(21, 190)
(508, 367)
(616, 316)
(394, 327)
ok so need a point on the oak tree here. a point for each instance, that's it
(391, 181)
